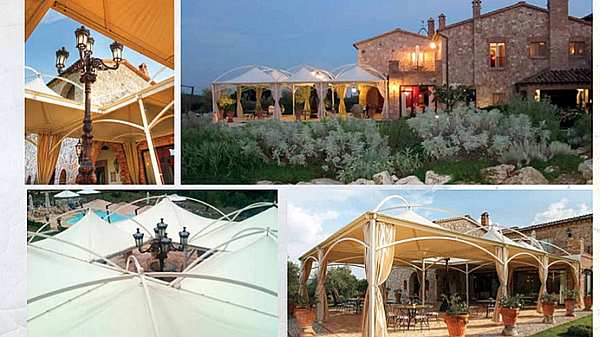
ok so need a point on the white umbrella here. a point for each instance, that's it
(88, 191)
(66, 195)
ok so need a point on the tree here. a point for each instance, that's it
(451, 95)
(341, 284)
(293, 282)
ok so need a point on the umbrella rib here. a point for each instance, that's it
(65, 302)
(230, 303)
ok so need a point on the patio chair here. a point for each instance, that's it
(422, 318)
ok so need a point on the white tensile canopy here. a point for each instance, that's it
(172, 214)
(372, 238)
(304, 77)
(66, 194)
(98, 238)
(233, 292)
(147, 27)
(88, 192)
(145, 115)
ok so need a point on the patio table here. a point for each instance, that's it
(412, 310)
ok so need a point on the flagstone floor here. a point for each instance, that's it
(349, 325)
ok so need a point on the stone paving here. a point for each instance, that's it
(349, 325)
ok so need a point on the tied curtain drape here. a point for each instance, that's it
(305, 269)
(239, 109)
(133, 162)
(502, 271)
(322, 304)
(577, 284)
(276, 93)
(341, 92)
(382, 88)
(48, 149)
(384, 260)
(258, 107)
(215, 105)
(306, 98)
(321, 92)
(543, 274)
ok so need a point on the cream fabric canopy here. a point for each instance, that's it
(147, 27)
(371, 240)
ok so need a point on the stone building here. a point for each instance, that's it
(574, 235)
(108, 157)
(521, 49)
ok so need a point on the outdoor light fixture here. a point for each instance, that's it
(161, 244)
(88, 66)
(432, 45)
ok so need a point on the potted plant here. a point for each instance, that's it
(457, 316)
(587, 301)
(549, 302)
(305, 315)
(509, 309)
(226, 103)
(570, 300)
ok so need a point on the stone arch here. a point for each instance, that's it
(62, 177)
(374, 102)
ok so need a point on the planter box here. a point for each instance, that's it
(509, 318)
(570, 308)
(548, 309)
(456, 324)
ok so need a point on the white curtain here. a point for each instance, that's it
(543, 274)
(215, 104)
(305, 269)
(384, 260)
(239, 110)
(321, 92)
(322, 305)
(276, 93)
(502, 271)
(382, 88)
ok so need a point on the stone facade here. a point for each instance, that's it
(468, 48)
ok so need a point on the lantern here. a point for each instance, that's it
(61, 58)
(81, 36)
(139, 238)
(117, 51)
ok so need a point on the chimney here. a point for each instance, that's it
(558, 31)
(485, 219)
(442, 22)
(144, 69)
(476, 8)
(430, 27)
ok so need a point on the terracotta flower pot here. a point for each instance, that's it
(229, 117)
(587, 301)
(304, 317)
(570, 308)
(456, 324)
(548, 309)
(509, 318)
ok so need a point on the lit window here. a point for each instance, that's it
(537, 49)
(497, 55)
(576, 48)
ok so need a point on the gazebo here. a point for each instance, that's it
(379, 242)
(353, 75)
(139, 117)
(307, 77)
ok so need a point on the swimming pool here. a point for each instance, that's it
(113, 217)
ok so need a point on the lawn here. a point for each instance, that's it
(561, 330)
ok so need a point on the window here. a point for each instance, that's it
(576, 48)
(537, 49)
(497, 54)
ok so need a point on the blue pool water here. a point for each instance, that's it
(113, 217)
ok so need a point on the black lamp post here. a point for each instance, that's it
(161, 244)
(88, 66)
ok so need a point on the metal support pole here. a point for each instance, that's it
(423, 282)
(153, 160)
(467, 283)
(293, 101)
(372, 286)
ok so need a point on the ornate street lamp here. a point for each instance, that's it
(88, 66)
(161, 244)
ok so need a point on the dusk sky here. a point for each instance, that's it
(219, 35)
(313, 215)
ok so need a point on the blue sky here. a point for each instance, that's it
(313, 215)
(55, 31)
(220, 35)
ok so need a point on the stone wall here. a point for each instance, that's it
(515, 27)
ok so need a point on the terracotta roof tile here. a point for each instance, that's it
(571, 76)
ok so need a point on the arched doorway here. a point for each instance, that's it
(374, 102)
(62, 178)
(415, 286)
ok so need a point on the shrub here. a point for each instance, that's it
(456, 306)
(512, 302)
(549, 298)
(571, 294)
(542, 114)
(406, 162)
(581, 132)
(579, 331)
(399, 135)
